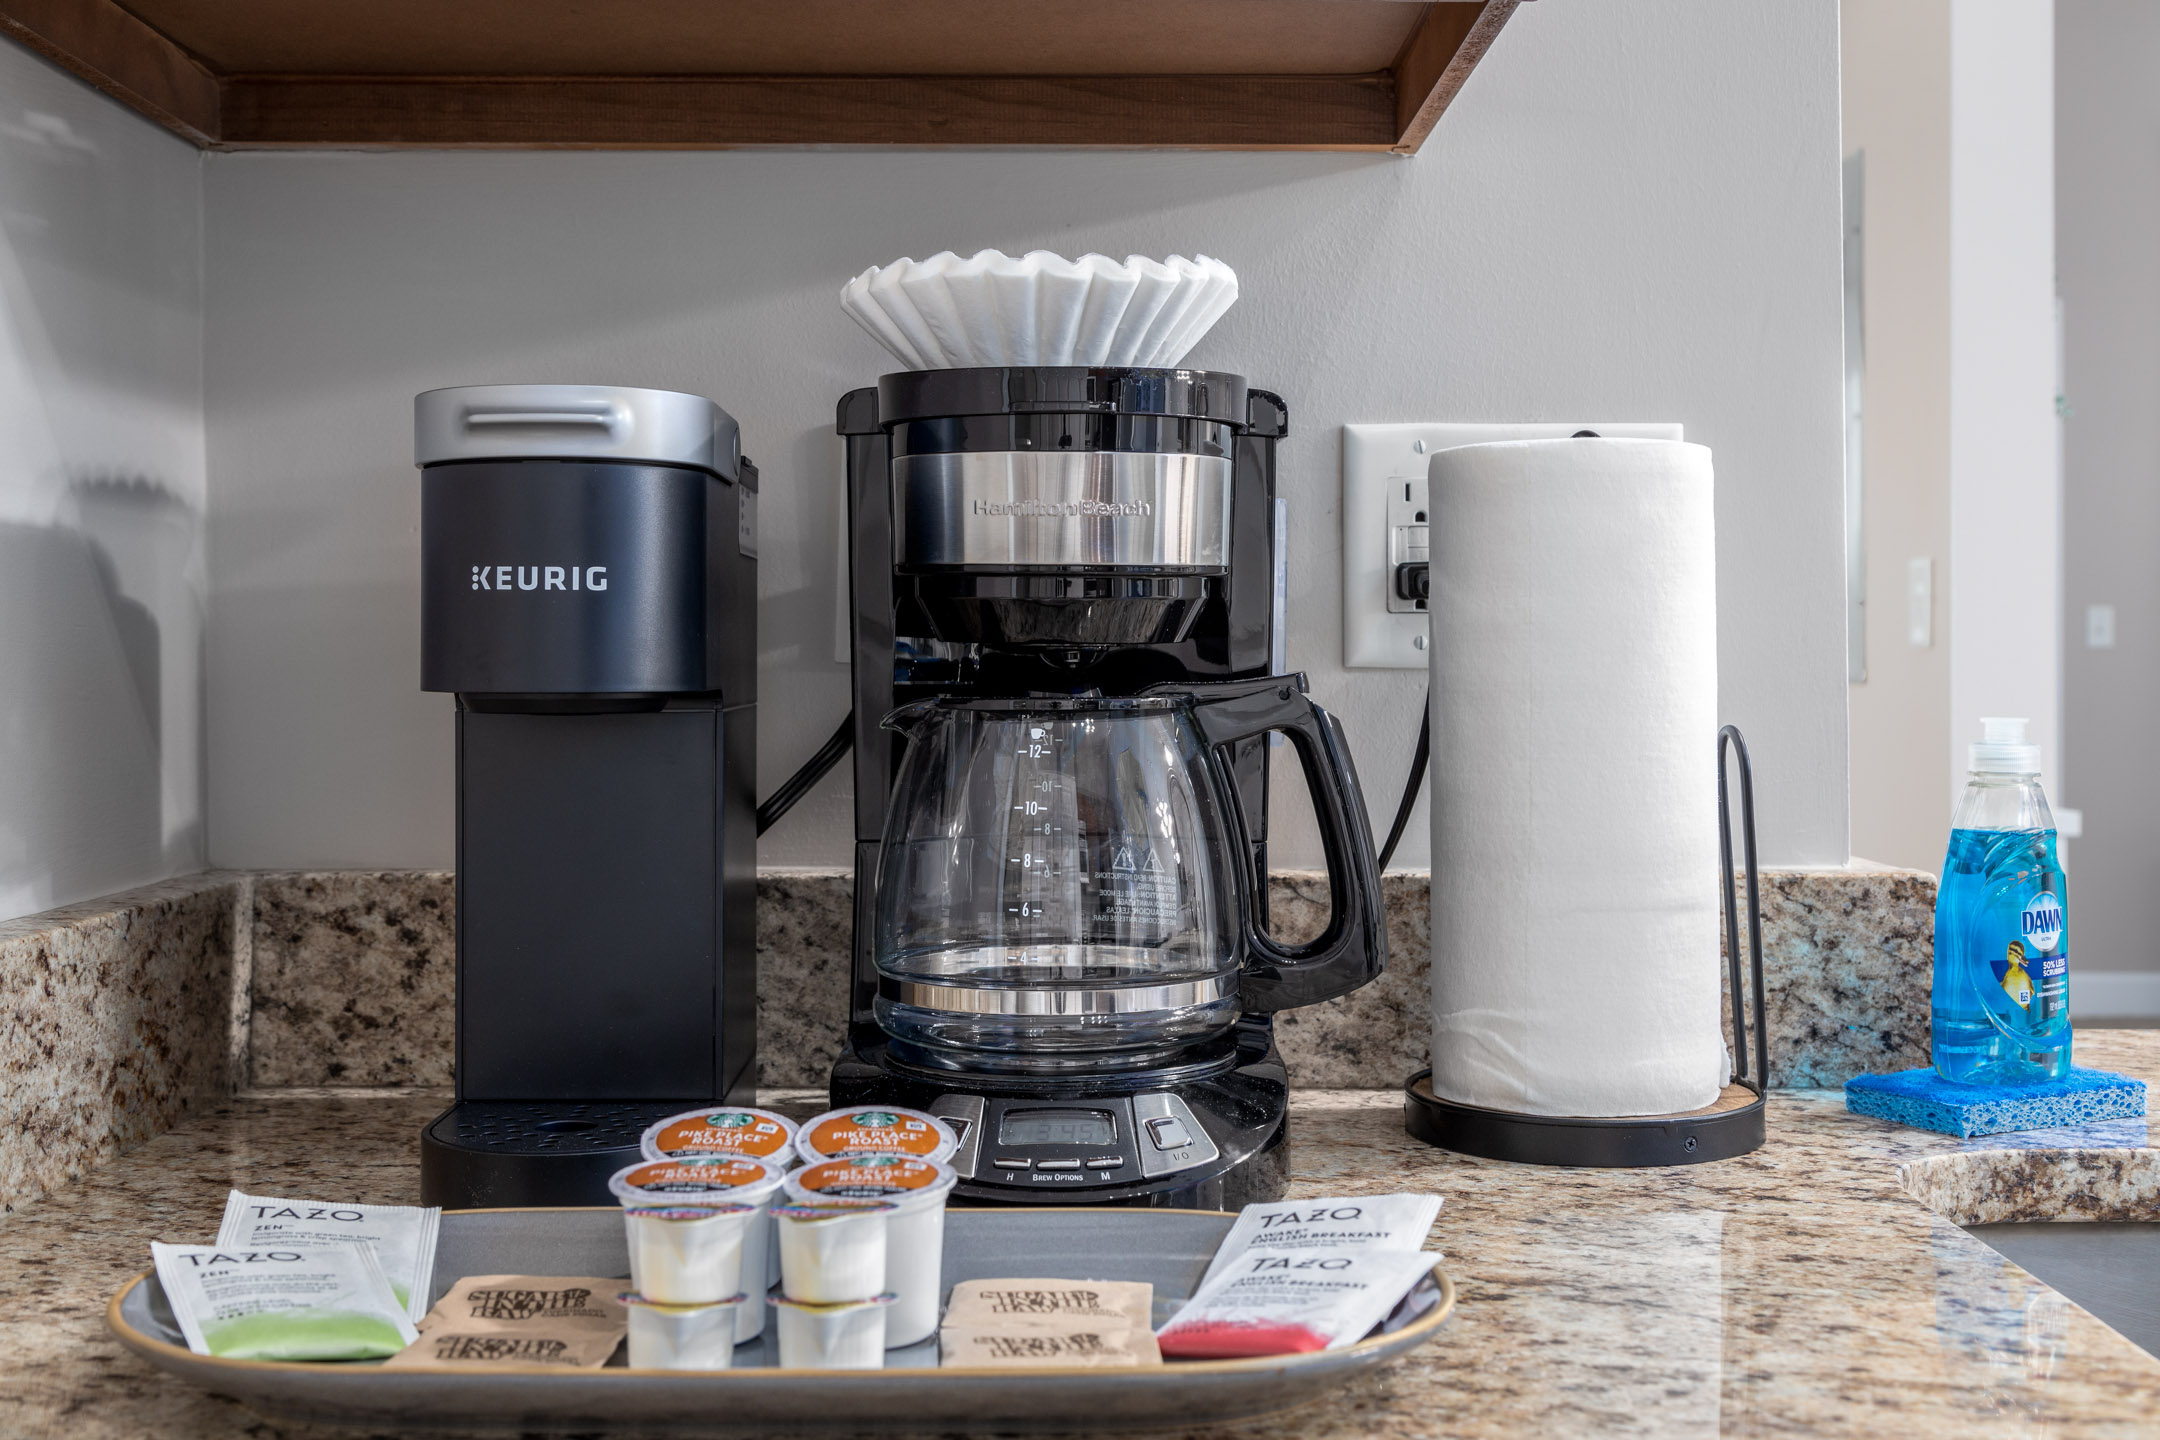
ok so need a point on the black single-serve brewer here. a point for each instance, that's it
(589, 595)
(1067, 613)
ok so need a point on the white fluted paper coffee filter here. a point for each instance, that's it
(1040, 309)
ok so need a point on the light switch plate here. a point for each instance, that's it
(1383, 520)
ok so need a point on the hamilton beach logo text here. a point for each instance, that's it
(1063, 509)
(539, 577)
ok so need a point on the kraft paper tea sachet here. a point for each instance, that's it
(283, 1302)
(1049, 1322)
(403, 1236)
(492, 1321)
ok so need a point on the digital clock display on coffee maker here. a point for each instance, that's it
(1057, 1127)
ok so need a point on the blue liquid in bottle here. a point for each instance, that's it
(2001, 1007)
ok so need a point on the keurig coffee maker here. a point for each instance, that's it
(1067, 611)
(589, 595)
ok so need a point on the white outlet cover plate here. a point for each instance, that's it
(1378, 462)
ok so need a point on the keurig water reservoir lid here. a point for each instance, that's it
(574, 422)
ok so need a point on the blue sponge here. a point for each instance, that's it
(1925, 1100)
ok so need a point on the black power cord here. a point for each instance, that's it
(799, 784)
(1411, 785)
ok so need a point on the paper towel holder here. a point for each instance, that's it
(1731, 1125)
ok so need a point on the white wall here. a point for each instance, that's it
(1632, 210)
(2107, 151)
(2005, 478)
(101, 494)
(1896, 99)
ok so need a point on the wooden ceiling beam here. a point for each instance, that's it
(153, 73)
(1438, 58)
(1217, 112)
(107, 47)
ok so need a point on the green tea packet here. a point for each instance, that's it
(403, 1236)
(283, 1302)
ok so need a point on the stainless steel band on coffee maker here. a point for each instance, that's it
(1117, 509)
(1077, 1000)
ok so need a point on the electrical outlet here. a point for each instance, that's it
(1386, 523)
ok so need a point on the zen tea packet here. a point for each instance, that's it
(1055, 1307)
(1379, 1222)
(403, 1236)
(280, 1302)
(1285, 1302)
(493, 1321)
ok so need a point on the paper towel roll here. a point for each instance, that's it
(1575, 952)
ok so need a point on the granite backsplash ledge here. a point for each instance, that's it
(121, 1015)
(352, 978)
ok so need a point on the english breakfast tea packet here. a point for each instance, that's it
(492, 1321)
(1379, 1222)
(402, 1236)
(283, 1302)
(1286, 1302)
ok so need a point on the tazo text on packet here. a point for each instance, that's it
(1283, 1302)
(403, 1236)
(283, 1302)
(1103, 1309)
(1378, 1222)
(493, 1321)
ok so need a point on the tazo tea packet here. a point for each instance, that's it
(492, 1321)
(1056, 1306)
(1379, 1222)
(403, 1236)
(1286, 1302)
(283, 1302)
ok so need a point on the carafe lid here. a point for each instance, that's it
(2003, 749)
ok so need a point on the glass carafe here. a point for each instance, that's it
(1070, 883)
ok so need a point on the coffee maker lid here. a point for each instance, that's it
(574, 422)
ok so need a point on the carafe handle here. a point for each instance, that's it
(1353, 948)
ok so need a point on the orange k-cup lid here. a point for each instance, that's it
(722, 1179)
(722, 1130)
(876, 1130)
(899, 1178)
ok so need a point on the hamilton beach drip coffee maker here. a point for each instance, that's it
(1066, 621)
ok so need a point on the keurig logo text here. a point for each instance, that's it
(539, 577)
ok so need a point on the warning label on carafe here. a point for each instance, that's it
(1135, 888)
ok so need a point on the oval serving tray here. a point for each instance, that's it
(1168, 1248)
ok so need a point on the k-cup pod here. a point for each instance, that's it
(681, 1337)
(915, 1234)
(875, 1130)
(846, 1336)
(734, 1130)
(687, 1255)
(706, 1180)
(723, 1130)
(832, 1253)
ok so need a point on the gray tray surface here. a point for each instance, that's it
(1168, 1248)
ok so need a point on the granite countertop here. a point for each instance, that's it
(1801, 1288)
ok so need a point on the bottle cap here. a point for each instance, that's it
(2003, 749)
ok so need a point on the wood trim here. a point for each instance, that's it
(1438, 58)
(1225, 112)
(112, 50)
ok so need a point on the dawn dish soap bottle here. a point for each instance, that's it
(2001, 1008)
